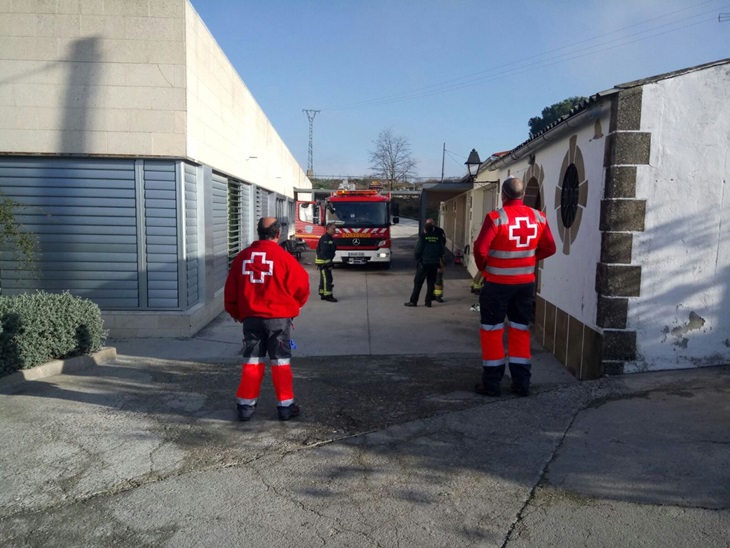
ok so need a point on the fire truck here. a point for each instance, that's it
(362, 224)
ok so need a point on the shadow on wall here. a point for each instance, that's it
(81, 95)
(693, 308)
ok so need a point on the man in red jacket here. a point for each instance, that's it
(511, 241)
(265, 289)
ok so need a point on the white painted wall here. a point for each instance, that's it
(569, 280)
(226, 127)
(95, 77)
(684, 251)
(484, 198)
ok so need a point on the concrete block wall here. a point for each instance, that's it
(135, 78)
(93, 77)
(142, 324)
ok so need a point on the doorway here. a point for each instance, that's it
(532, 194)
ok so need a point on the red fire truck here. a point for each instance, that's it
(362, 219)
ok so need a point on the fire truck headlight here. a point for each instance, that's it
(381, 243)
(382, 255)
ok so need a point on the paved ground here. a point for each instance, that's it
(392, 448)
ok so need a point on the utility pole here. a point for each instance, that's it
(310, 116)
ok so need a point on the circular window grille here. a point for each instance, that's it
(569, 196)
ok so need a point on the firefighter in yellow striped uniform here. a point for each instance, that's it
(325, 255)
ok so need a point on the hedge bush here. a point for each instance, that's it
(40, 327)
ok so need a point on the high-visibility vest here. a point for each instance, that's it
(511, 257)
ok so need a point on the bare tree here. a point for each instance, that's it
(391, 161)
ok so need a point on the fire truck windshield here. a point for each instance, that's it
(358, 213)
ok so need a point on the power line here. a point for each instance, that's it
(518, 69)
(458, 159)
(526, 64)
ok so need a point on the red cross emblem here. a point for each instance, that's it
(257, 270)
(522, 232)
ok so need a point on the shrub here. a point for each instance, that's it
(40, 327)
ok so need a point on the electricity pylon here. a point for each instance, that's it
(310, 116)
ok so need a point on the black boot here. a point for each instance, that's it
(521, 375)
(491, 381)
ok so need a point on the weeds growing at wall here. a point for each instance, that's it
(15, 243)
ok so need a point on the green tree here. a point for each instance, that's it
(553, 113)
(391, 162)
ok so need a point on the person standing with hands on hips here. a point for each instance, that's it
(325, 255)
(265, 289)
(511, 241)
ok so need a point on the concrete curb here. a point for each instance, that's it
(56, 367)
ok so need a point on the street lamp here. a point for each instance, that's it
(472, 163)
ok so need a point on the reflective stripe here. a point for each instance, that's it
(520, 326)
(523, 361)
(322, 261)
(242, 401)
(511, 254)
(492, 363)
(538, 217)
(254, 360)
(488, 327)
(510, 271)
(285, 403)
(502, 219)
(284, 361)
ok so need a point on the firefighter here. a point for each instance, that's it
(438, 288)
(265, 289)
(325, 255)
(511, 241)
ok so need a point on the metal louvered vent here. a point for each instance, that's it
(281, 213)
(259, 206)
(235, 229)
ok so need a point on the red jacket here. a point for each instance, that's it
(510, 243)
(265, 281)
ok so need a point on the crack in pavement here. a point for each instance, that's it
(541, 478)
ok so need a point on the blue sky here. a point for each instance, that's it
(467, 73)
